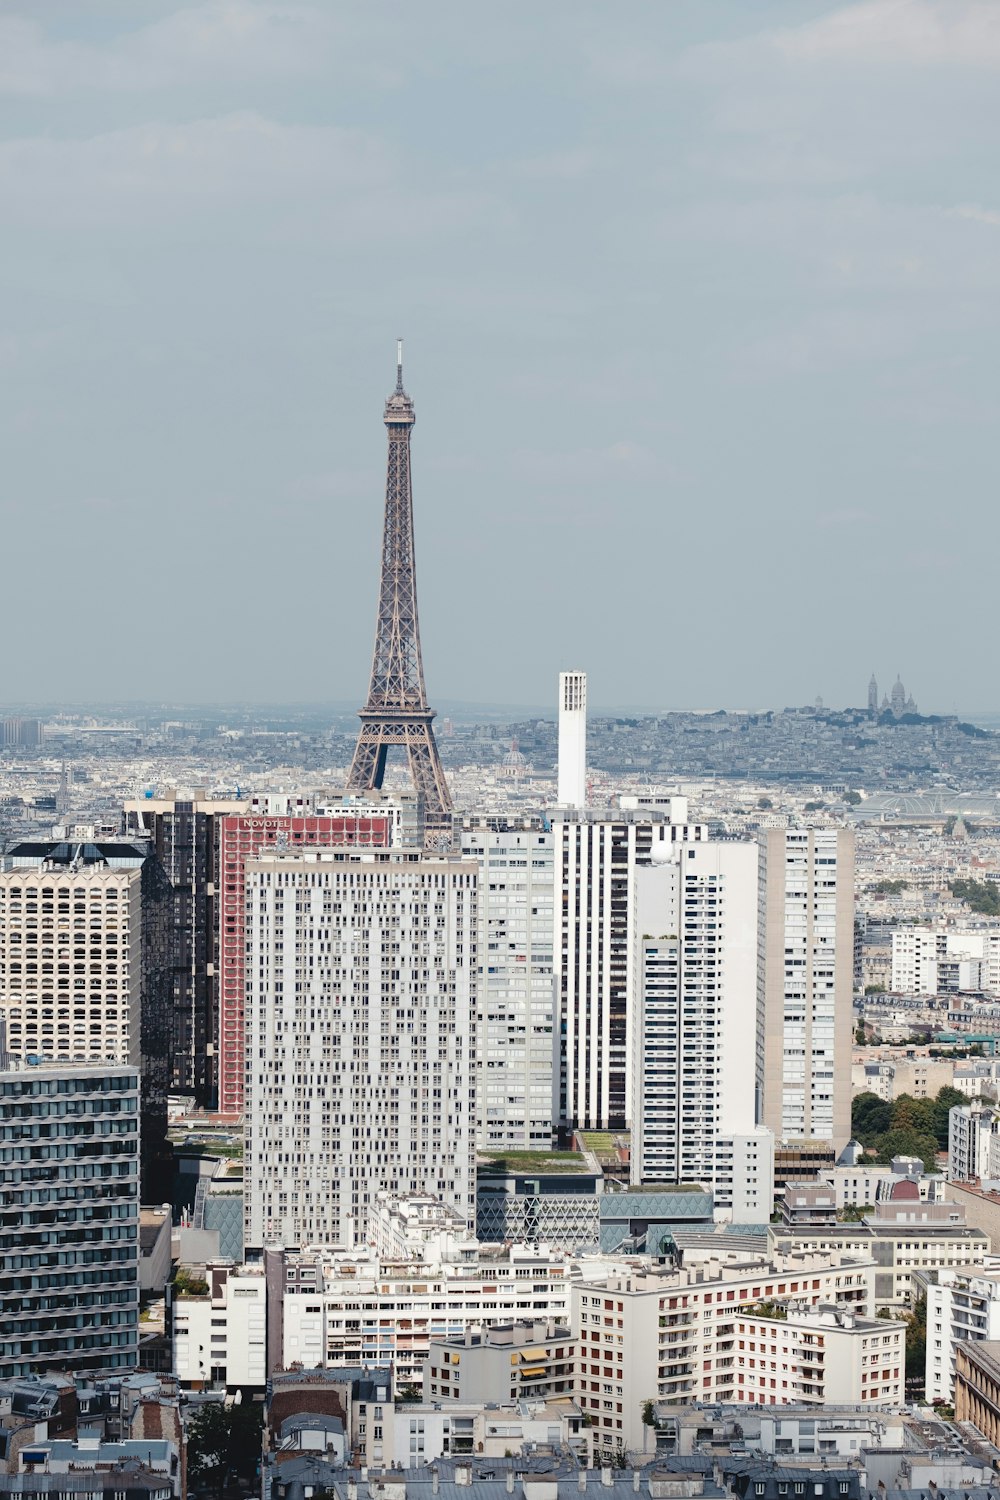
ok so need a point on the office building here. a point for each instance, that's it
(360, 993)
(517, 1035)
(695, 1026)
(84, 964)
(184, 834)
(571, 783)
(69, 1220)
(595, 949)
(682, 1335)
(805, 983)
(21, 734)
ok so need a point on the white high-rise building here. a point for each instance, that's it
(517, 1035)
(805, 982)
(973, 1132)
(595, 949)
(572, 782)
(695, 1029)
(360, 978)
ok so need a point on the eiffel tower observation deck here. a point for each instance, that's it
(396, 712)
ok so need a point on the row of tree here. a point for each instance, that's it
(904, 1126)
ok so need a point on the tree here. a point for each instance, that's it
(946, 1101)
(224, 1440)
(648, 1414)
(916, 1340)
(875, 989)
(870, 1117)
(852, 798)
(765, 804)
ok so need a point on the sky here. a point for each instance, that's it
(701, 319)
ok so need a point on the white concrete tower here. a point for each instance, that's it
(572, 788)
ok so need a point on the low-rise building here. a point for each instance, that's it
(332, 1307)
(505, 1362)
(220, 1334)
(903, 1235)
(327, 1416)
(427, 1431)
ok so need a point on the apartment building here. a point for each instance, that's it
(523, 1360)
(973, 1135)
(904, 1237)
(84, 967)
(220, 1334)
(595, 951)
(805, 982)
(333, 1308)
(360, 1016)
(695, 1026)
(674, 1335)
(69, 1220)
(517, 1036)
(961, 1306)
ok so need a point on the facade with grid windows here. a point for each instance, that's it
(805, 983)
(241, 837)
(516, 1048)
(675, 1336)
(360, 1009)
(69, 1219)
(84, 968)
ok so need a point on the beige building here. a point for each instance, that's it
(820, 1355)
(506, 1362)
(805, 982)
(71, 961)
(902, 1237)
(673, 1335)
(977, 1387)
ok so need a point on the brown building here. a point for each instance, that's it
(977, 1387)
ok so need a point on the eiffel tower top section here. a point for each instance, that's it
(399, 410)
(396, 712)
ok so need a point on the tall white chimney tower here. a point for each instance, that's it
(572, 787)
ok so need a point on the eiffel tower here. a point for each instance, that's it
(396, 712)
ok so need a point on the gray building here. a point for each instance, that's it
(69, 1220)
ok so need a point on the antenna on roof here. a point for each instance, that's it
(399, 366)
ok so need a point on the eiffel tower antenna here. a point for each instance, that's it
(396, 712)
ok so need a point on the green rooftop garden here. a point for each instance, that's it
(521, 1162)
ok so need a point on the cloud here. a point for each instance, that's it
(219, 41)
(976, 212)
(335, 183)
(923, 33)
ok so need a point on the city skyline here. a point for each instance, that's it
(780, 320)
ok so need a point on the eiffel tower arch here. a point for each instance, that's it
(396, 711)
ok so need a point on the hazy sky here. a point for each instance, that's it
(701, 320)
